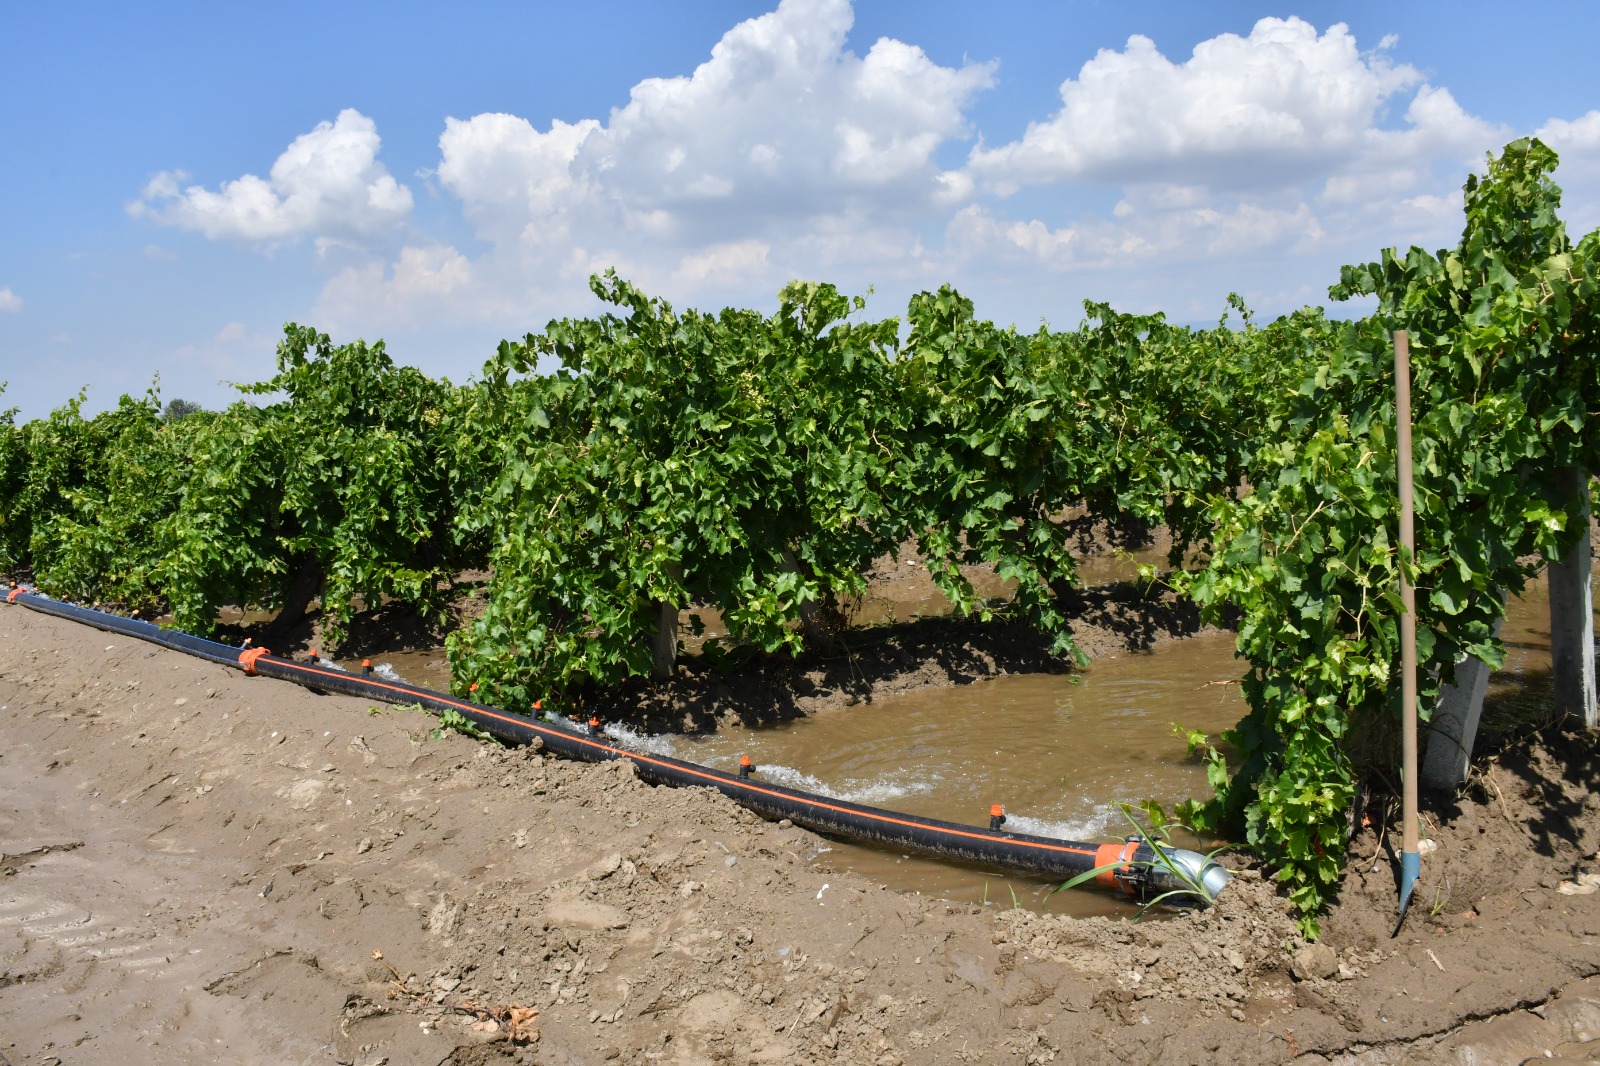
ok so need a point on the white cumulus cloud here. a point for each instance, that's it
(782, 137)
(418, 283)
(1276, 144)
(1578, 143)
(10, 302)
(328, 181)
(1579, 138)
(1257, 163)
(1284, 103)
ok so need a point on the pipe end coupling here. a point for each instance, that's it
(1198, 877)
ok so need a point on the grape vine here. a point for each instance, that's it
(758, 464)
(1506, 391)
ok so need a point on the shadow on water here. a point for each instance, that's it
(1519, 705)
(876, 661)
(1521, 696)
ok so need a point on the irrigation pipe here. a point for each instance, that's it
(1138, 867)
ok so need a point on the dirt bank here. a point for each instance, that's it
(204, 867)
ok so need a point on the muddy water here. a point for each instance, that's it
(1519, 694)
(427, 667)
(1055, 750)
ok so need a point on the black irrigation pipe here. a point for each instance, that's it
(1135, 865)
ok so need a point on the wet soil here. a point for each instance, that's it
(202, 867)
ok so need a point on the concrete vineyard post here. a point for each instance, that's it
(1454, 726)
(1572, 664)
(664, 639)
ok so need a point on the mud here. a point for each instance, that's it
(202, 866)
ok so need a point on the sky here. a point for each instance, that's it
(177, 181)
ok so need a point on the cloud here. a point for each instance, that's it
(783, 135)
(1258, 162)
(781, 123)
(725, 262)
(418, 283)
(1276, 144)
(1578, 138)
(10, 302)
(327, 182)
(1156, 226)
(1280, 105)
(511, 178)
(1578, 142)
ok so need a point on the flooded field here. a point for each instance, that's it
(1056, 750)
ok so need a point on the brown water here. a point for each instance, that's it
(1519, 694)
(1056, 750)
(428, 667)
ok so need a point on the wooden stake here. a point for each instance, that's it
(1410, 856)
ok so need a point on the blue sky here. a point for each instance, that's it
(178, 181)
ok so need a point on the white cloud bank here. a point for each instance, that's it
(1258, 163)
(784, 153)
(1283, 104)
(781, 124)
(327, 182)
(10, 302)
(1578, 143)
(1276, 143)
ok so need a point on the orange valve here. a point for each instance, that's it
(472, 687)
(997, 817)
(313, 656)
(366, 667)
(1112, 859)
(594, 725)
(538, 705)
(248, 658)
(745, 766)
